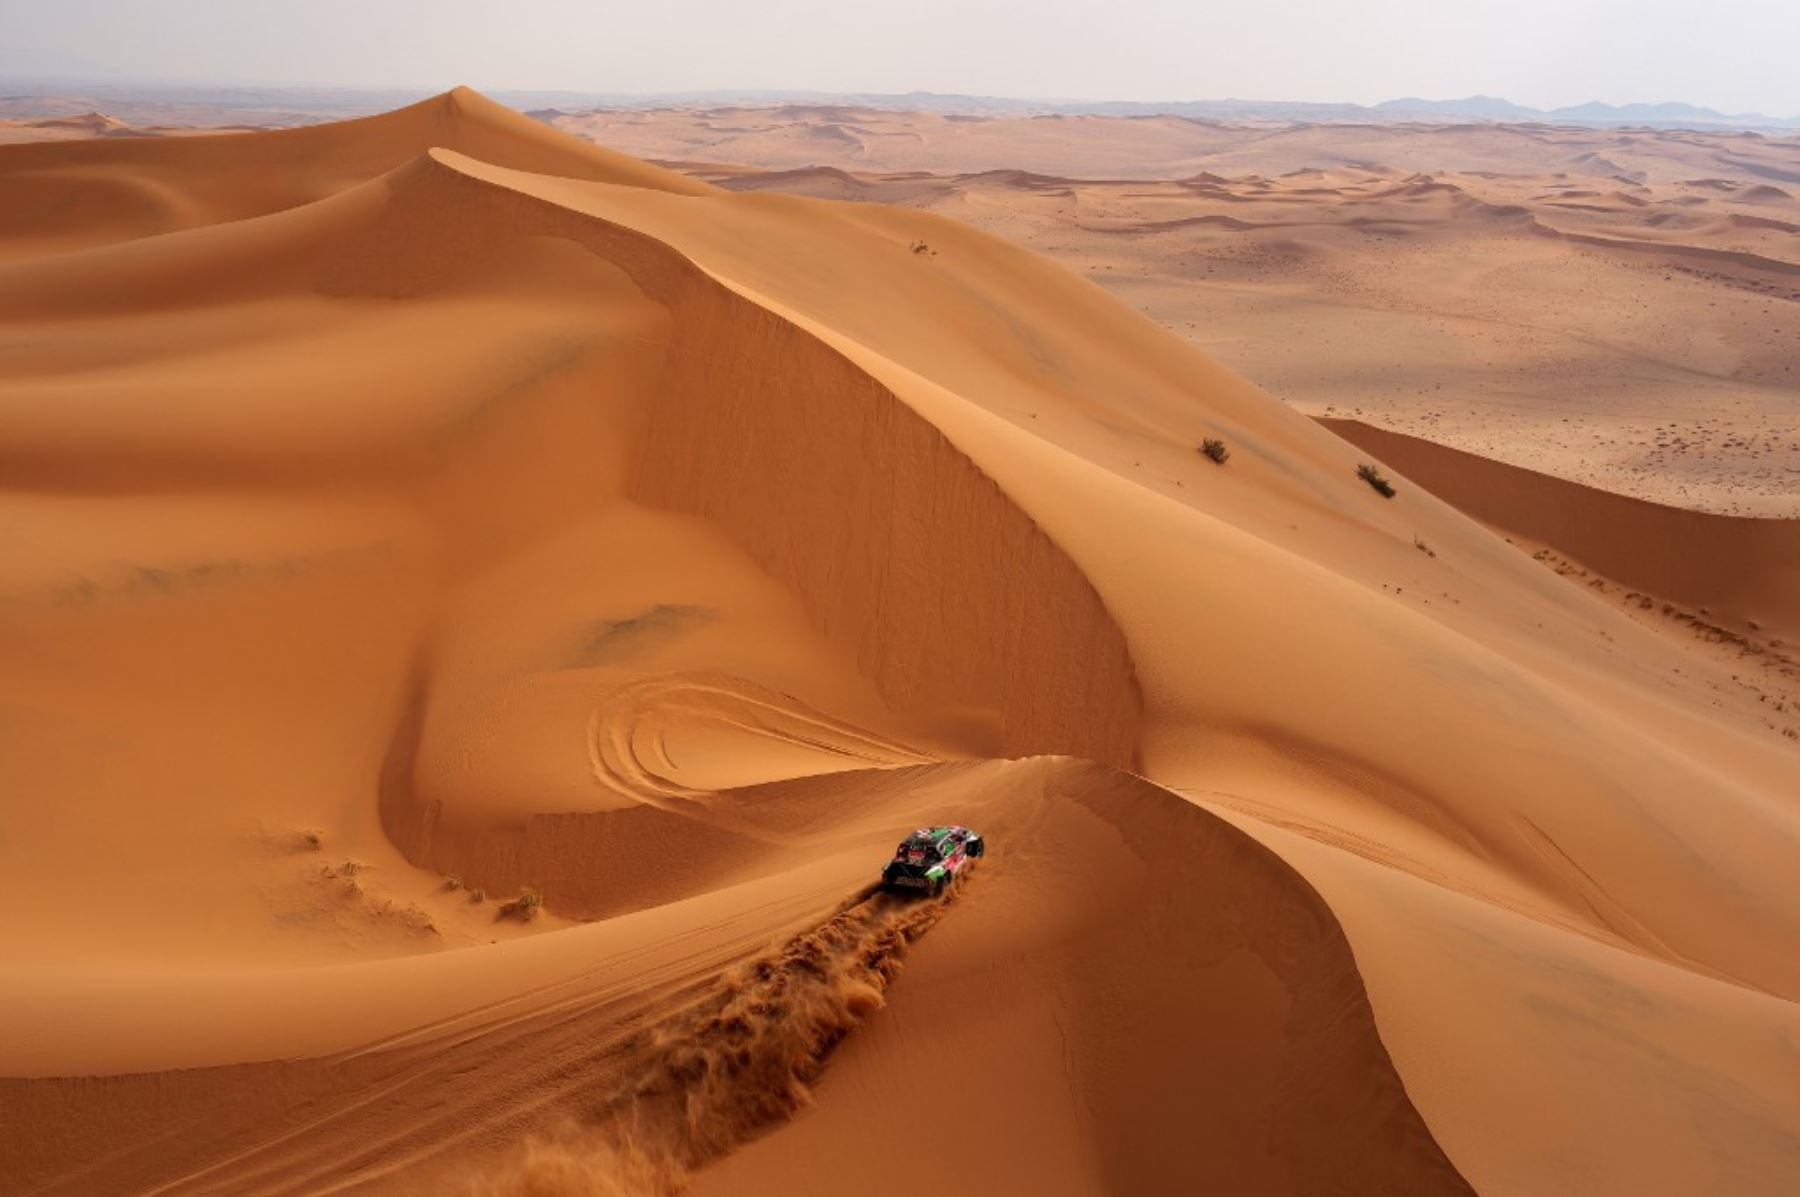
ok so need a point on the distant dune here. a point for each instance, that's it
(1165, 145)
(1744, 571)
(1611, 307)
(481, 608)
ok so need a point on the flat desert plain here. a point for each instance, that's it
(478, 609)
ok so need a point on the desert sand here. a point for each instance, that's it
(408, 514)
(1614, 307)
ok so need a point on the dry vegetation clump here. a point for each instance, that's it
(477, 896)
(1419, 544)
(312, 839)
(1214, 450)
(524, 907)
(452, 881)
(1374, 478)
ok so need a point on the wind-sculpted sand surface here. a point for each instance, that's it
(478, 610)
(1620, 307)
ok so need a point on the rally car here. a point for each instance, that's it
(930, 857)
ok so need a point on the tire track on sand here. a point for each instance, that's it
(730, 1066)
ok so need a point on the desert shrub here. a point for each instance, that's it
(524, 907)
(312, 839)
(477, 895)
(348, 868)
(1372, 476)
(452, 881)
(1214, 450)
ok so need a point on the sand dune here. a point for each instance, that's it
(95, 193)
(407, 512)
(1745, 571)
(1194, 935)
(1611, 307)
(786, 136)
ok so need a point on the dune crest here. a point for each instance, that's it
(1746, 571)
(1606, 306)
(90, 192)
(1202, 1023)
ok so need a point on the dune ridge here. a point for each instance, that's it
(101, 191)
(717, 449)
(1231, 918)
(1744, 570)
(1618, 319)
(776, 475)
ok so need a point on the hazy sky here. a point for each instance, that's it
(1732, 54)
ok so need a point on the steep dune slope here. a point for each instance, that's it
(1051, 1018)
(1290, 471)
(601, 399)
(1635, 336)
(454, 506)
(1747, 571)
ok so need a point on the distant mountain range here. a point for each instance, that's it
(1665, 115)
(1407, 109)
(18, 92)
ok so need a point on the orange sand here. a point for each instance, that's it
(436, 502)
(1614, 307)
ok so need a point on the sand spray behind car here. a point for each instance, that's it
(733, 1064)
